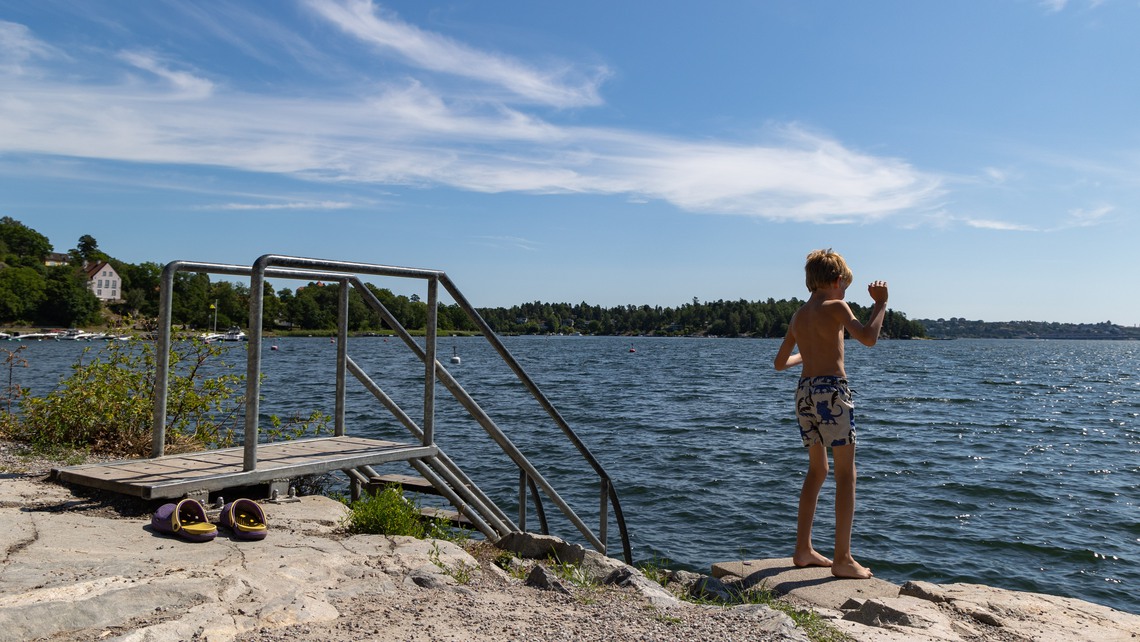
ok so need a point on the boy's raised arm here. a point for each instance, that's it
(868, 334)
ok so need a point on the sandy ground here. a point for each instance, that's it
(400, 603)
(78, 564)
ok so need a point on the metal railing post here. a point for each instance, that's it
(604, 515)
(162, 361)
(253, 364)
(429, 361)
(522, 500)
(341, 359)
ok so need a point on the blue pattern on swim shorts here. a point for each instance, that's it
(825, 411)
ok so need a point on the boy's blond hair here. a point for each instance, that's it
(824, 267)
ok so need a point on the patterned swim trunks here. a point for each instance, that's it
(825, 411)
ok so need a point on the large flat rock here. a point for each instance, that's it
(874, 610)
(80, 574)
(813, 585)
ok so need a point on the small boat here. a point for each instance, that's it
(78, 335)
(234, 334)
(35, 336)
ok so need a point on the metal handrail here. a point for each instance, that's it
(347, 273)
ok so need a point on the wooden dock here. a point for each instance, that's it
(175, 476)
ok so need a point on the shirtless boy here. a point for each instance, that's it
(823, 400)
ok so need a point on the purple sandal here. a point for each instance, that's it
(186, 519)
(246, 518)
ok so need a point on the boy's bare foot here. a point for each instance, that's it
(812, 558)
(850, 569)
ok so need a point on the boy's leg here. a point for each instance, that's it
(845, 564)
(806, 554)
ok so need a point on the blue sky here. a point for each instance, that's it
(983, 157)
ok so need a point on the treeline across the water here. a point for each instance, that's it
(739, 318)
(39, 287)
(957, 328)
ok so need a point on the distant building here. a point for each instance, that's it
(55, 258)
(104, 281)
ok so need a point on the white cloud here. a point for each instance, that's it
(509, 241)
(18, 45)
(408, 132)
(1088, 218)
(988, 224)
(564, 86)
(186, 84)
(996, 175)
(307, 205)
(1056, 6)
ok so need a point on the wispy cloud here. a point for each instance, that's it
(508, 241)
(562, 86)
(184, 83)
(416, 130)
(18, 45)
(1089, 218)
(1056, 6)
(306, 205)
(989, 224)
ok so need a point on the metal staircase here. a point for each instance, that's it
(425, 456)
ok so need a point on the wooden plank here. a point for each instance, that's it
(176, 475)
(443, 513)
(407, 482)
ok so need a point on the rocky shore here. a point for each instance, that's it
(81, 565)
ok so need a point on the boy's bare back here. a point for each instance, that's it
(817, 328)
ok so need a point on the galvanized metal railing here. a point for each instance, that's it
(439, 470)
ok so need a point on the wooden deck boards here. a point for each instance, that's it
(178, 475)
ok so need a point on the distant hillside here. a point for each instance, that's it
(964, 329)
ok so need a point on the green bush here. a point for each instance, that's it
(387, 512)
(106, 404)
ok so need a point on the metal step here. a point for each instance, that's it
(413, 483)
(446, 514)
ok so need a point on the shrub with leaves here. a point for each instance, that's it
(106, 404)
(387, 512)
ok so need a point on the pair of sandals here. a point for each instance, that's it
(187, 519)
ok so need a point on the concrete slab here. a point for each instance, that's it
(814, 585)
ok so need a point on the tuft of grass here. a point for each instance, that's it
(816, 628)
(462, 572)
(656, 569)
(508, 561)
(387, 512)
(390, 512)
(572, 573)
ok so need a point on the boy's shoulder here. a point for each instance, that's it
(822, 316)
(826, 307)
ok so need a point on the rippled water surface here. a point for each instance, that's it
(1010, 463)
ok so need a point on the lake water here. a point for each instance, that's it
(1009, 463)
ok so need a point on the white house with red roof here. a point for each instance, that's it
(104, 282)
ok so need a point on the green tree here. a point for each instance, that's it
(21, 240)
(68, 301)
(190, 304)
(87, 251)
(22, 291)
(140, 287)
